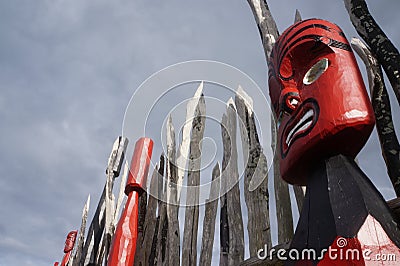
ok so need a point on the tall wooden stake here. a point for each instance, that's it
(230, 173)
(81, 237)
(269, 33)
(383, 114)
(257, 201)
(189, 247)
(386, 53)
(209, 219)
(173, 244)
(92, 247)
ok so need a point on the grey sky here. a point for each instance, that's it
(67, 72)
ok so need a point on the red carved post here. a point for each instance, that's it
(325, 118)
(123, 246)
(69, 246)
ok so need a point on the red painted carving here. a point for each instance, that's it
(69, 246)
(319, 97)
(123, 247)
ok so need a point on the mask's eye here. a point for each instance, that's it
(316, 71)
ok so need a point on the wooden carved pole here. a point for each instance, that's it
(184, 147)
(161, 257)
(223, 225)
(265, 23)
(173, 244)
(230, 175)
(91, 250)
(383, 114)
(380, 45)
(81, 238)
(269, 34)
(143, 250)
(157, 245)
(257, 200)
(209, 219)
(123, 247)
(189, 247)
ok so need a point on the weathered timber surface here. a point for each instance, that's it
(386, 53)
(183, 152)
(173, 244)
(283, 206)
(282, 198)
(223, 226)
(297, 16)
(121, 193)
(141, 233)
(143, 249)
(230, 173)
(209, 219)
(189, 247)
(162, 233)
(257, 201)
(265, 23)
(299, 193)
(381, 103)
(269, 33)
(81, 237)
(92, 247)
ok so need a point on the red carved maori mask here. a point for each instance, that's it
(319, 97)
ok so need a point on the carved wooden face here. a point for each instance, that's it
(319, 97)
(70, 241)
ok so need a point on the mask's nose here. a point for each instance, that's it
(290, 100)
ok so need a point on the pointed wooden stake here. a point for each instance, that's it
(297, 16)
(230, 175)
(265, 23)
(189, 247)
(173, 239)
(256, 173)
(92, 247)
(381, 103)
(81, 238)
(209, 218)
(183, 153)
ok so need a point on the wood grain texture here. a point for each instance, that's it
(189, 246)
(265, 23)
(257, 201)
(381, 103)
(143, 249)
(231, 175)
(209, 219)
(81, 237)
(173, 244)
(380, 45)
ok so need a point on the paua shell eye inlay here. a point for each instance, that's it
(316, 71)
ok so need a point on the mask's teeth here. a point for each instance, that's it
(299, 127)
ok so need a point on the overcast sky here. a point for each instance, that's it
(67, 71)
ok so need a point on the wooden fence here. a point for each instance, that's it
(159, 242)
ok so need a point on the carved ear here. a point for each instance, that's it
(297, 16)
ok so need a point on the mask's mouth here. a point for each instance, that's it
(300, 124)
